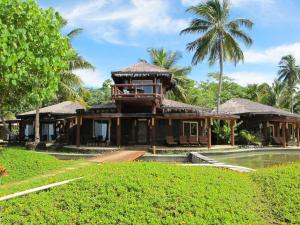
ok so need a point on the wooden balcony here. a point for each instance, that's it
(136, 91)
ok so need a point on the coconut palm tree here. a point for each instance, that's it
(168, 60)
(276, 95)
(219, 39)
(289, 74)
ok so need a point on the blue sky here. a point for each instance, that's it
(118, 33)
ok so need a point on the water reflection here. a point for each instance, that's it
(258, 159)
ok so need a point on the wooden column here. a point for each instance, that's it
(119, 132)
(170, 133)
(78, 126)
(20, 131)
(265, 133)
(9, 127)
(283, 127)
(297, 134)
(209, 132)
(153, 134)
(232, 125)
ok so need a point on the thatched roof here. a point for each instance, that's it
(63, 108)
(174, 106)
(141, 69)
(108, 105)
(239, 106)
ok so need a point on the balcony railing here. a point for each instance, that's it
(136, 91)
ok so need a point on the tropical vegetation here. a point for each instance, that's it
(219, 41)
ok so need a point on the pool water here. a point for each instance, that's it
(259, 159)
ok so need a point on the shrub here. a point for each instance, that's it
(249, 138)
(2, 171)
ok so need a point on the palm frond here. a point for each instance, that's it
(74, 33)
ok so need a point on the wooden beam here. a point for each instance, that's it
(232, 126)
(209, 132)
(283, 127)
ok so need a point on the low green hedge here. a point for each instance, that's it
(281, 188)
(143, 193)
(21, 164)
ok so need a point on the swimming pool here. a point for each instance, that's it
(257, 159)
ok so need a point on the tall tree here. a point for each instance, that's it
(33, 53)
(289, 74)
(220, 35)
(168, 60)
(71, 85)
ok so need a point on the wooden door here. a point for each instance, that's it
(142, 132)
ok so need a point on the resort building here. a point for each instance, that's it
(56, 122)
(274, 126)
(138, 114)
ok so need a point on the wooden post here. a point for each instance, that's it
(297, 134)
(170, 127)
(153, 134)
(119, 132)
(265, 133)
(9, 127)
(209, 132)
(20, 131)
(78, 126)
(232, 125)
(283, 127)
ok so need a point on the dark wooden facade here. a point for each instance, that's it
(139, 113)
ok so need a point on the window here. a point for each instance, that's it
(47, 131)
(101, 130)
(146, 89)
(28, 131)
(190, 128)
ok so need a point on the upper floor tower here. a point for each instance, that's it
(141, 85)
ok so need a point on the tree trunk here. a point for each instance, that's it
(6, 126)
(221, 76)
(37, 126)
(292, 103)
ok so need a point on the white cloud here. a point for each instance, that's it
(272, 55)
(122, 21)
(246, 77)
(234, 3)
(90, 78)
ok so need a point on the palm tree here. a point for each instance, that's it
(168, 59)
(289, 74)
(276, 94)
(220, 36)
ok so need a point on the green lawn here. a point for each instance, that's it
(21, 164)
(156, 193)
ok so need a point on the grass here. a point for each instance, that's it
(156, 193)
(21, 164)
(281, 188)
